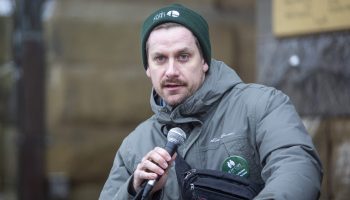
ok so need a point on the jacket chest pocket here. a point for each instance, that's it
(218, 152)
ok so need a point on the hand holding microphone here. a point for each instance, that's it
(153, 166)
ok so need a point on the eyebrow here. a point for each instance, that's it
(183, 50)
(186, 49)
(156, 54)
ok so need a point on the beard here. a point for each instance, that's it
(173, 91)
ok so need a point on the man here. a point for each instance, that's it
(245, 129)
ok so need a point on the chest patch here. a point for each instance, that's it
(236, 165)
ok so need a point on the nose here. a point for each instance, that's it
(172, 70)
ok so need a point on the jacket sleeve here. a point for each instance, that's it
(116, 186)
(291, 166)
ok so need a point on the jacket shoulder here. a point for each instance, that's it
(259, 96)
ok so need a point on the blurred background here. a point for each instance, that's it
(72, 85)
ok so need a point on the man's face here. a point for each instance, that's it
(175, 65)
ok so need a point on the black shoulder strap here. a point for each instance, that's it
(181, 167)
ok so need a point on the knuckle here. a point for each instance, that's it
(157, 148)
(144, 165)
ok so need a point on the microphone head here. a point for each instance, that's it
(177, 136)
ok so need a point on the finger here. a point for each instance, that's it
(147, 156)
(158, 156)
(163, 153)
(150, 166)
(140, 175)
(143, 175)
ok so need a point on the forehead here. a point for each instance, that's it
(170, 38)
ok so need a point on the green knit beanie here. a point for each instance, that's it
(178, 14)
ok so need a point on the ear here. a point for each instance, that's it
(205, 66)
(148, 73)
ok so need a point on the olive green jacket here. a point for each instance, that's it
(226, 118)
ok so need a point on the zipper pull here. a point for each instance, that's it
(192, 186)
(188, 173)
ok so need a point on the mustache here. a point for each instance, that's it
(172, 82)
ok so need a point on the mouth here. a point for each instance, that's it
(173, 86)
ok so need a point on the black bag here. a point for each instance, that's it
(204, 184)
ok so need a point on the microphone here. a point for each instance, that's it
(176, 136)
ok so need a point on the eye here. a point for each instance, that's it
(183, 57)
(159, 59)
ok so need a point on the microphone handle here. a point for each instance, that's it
(170, 148)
